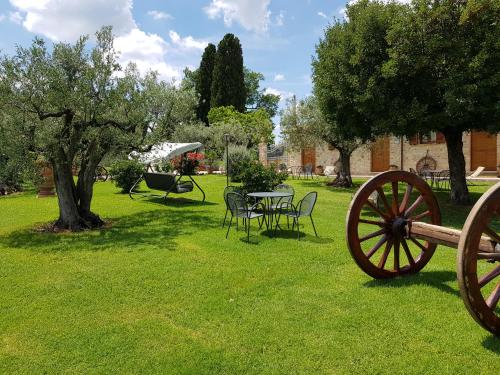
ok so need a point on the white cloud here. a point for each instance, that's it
(279, 77)
(2, 17)
(250, 14)
(280, 19)
(158, 15)
(186, 42)
(67, 20)
(16, 17)
(323, 15)
(148, 52)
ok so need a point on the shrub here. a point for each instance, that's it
(257, 177)
(239, 156)
(125, 173)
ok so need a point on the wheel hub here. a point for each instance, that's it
(399, 227)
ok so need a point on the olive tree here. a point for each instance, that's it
(304, 125)
(80, 105)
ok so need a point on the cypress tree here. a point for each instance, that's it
(228, 80)
(204, 82)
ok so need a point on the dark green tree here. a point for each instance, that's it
(444, 75)
(228, 82)
(347, 65)
(204, 82)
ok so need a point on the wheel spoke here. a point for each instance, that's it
(372, 235)
(422, 247)
(408, 252)
(395, 193)
(489, 276)
(382, 196)
(414, 206)
(396, 255)
(493, 234)
(406, 198)
(372, 222)
(377, 246)
(377, 210)
(494, 297)
(387, 250)
(421, 216)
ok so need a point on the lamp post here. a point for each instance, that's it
(226, 141)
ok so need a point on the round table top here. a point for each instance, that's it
(270, 194)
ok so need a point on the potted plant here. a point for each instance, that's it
(319, 170)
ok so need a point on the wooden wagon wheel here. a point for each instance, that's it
(479, 272)
(376, 230)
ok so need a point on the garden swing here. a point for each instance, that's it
(175, 182)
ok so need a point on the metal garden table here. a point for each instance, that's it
(267, 199)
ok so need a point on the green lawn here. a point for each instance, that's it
(162, 291)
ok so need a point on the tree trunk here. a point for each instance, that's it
(85, 192)
(69, 218)
(459, 192)
(75, 201)
(344, 178)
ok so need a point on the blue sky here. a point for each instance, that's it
(278, 36)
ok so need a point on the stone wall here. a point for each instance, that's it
(361, 158)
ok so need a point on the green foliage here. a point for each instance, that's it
(238, 158)
(204, 82)
(257, 97)
(125, 174)
(257, 124)
(256, 177)
(228, 83)
(443, 69)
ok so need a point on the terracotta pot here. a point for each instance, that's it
(46, 188)
(498, 171)
(319, 170)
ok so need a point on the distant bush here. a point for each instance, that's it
(239, 156)
(256, 177)
(125, 173)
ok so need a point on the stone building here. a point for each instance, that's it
(480, 149)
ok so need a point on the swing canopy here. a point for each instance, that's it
(166, 151)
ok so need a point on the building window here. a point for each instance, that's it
(427, 138)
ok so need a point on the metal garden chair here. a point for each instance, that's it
(283, 203)
(240, 209)
(227, 190)
(304, 208)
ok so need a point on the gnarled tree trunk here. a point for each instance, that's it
(459, 192)
(344, 178)
(75, 200)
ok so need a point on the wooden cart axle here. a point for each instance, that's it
(446, 236)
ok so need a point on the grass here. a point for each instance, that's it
(162, 291)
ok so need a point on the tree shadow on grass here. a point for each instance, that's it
(285, 233)
(492, 343)
(156, 229)
(435, 279)
(177, 202)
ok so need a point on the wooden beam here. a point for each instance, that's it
(444, 236)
